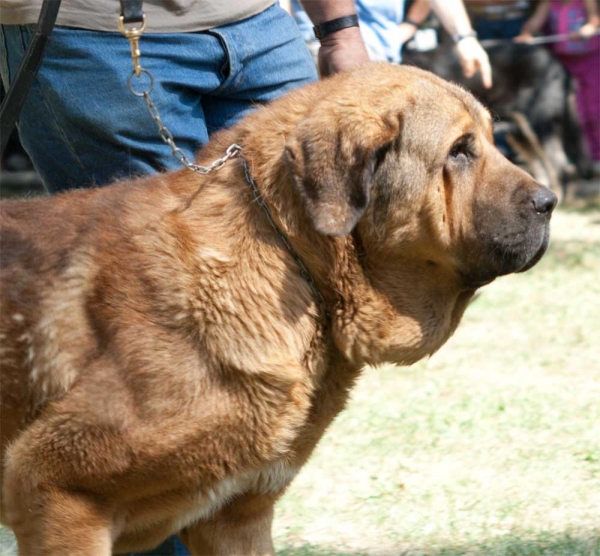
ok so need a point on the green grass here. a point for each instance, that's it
(8, 546)
(564, 545)
(489, 448)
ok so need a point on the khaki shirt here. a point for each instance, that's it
(162, 16)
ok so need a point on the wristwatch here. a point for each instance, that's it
(457, 38)
(327, 27)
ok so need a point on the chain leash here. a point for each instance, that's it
(304, 272)
(133, 35)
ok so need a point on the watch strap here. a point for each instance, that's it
(327, 27)
(457, 38)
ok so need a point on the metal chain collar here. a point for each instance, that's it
(133, 34)
(304, 272)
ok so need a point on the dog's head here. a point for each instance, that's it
(409, 160)
(405, 163)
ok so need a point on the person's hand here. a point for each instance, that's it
(407, 31)
(586, 31)
(523, 37)
(474, 58)
(341, 50)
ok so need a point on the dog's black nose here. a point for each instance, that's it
(544, 201)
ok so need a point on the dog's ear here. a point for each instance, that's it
(333, 161)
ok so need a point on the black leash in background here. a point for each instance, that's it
(544, 39)
(28, 68)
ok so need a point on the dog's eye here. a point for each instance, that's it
(462, 151)
(458, 151)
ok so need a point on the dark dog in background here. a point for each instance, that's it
(532, 99)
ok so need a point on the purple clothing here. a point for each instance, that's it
(585, 68)
(567, 18)
(581, 58)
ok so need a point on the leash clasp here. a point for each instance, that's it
(133, 35)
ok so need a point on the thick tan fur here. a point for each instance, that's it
(165, 366)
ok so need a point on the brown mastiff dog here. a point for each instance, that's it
(169, 360)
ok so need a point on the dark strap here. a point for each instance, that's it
(412, 22)
(325, 28)
(132, 11)
(28, 68)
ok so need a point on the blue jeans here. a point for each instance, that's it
(498, 29)
(81, 126)
(171, 547)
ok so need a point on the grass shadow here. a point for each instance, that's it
(540, 545)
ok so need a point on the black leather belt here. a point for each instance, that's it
(132, 11)
(28, 68)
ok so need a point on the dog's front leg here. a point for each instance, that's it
(53, 522)
(243, 527)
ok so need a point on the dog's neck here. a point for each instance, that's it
(369, 324)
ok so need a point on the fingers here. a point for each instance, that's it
(474, 58)
(586, 31)
(523, 37)
(468, 66)
(407, 32)
(486, 71)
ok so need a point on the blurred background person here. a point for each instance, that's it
(379, 21)
(418, 12)
(497, 19)
(580, 55)
(382, 29)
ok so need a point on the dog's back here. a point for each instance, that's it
(51, 250)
